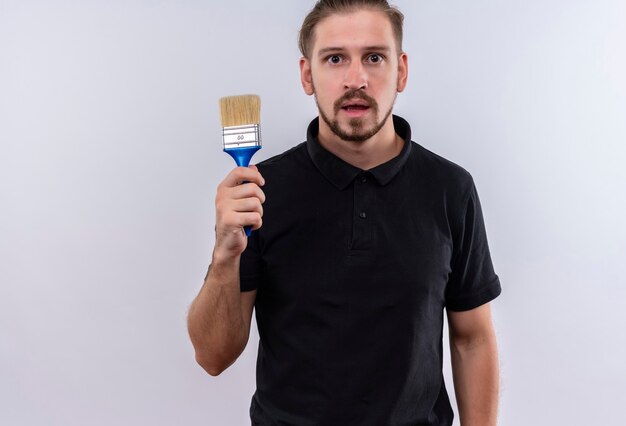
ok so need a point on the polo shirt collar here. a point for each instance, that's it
(340, 173)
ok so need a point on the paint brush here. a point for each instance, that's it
(241, 129)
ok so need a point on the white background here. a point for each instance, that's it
(111, 152)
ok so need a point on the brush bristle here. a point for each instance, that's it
(240, 110)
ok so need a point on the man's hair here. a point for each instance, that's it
(325, 8)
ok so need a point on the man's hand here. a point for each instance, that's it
(238, 203)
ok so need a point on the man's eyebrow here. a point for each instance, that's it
(328, 50)
(383, 49)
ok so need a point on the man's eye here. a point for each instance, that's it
(334, 59)
(375, 58)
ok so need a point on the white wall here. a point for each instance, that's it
(111, 150)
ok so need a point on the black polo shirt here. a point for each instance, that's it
(353, 269)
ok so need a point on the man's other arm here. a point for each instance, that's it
(475, 369)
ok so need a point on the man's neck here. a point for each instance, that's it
(378, 149)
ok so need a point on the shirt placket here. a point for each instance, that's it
(363, 212)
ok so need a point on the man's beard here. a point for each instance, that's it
(357, 133)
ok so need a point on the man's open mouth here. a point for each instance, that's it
(355, 106)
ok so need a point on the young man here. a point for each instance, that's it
(366, 238)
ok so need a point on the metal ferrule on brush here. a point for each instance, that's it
(242, 136)
(241, 142)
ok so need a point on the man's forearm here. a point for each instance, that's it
(476, 379)
(215, 322)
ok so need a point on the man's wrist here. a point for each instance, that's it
(225, 259)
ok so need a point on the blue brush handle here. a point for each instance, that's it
(242, 157)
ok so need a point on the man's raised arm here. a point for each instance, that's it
(219, 317)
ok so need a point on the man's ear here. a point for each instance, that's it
(305, 76)
(403, 71)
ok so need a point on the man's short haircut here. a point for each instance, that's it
(325, 8)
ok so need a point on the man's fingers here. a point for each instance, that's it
(247, 190)
(252, 219)
(234, 219)
(243, 174)
(239, 204)
(235, 212)
(247, 205)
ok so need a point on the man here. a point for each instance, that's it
(361, 239)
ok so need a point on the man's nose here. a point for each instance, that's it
(356, 77)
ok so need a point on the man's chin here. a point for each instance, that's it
(360, 135)
(357, 129)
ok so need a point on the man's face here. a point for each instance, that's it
(354, 72)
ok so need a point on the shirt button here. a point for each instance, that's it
(363, 179)
(362, 215)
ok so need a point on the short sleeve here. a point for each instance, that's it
(251, 266)
(472, 281)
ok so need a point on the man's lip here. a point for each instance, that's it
(355, 102)
(355, 112)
